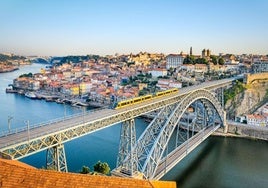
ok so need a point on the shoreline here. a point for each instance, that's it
(11, 69)
(231, 135)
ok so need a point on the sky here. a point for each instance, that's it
(106, 27)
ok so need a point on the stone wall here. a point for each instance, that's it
(248, 131)
(258, 76)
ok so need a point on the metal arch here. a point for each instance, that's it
(160, 143)
(20, 144)
(143, 146)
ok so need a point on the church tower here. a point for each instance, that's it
(191, 51)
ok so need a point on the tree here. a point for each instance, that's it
(142, 92)
(102, 168)
(29, 75)
(189, 60)
(85, 170)
(148, 75)
(201, 61)
(221, 61)
(214, 59)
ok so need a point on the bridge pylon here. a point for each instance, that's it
(126, 145)
(225, 124)
(55, 159)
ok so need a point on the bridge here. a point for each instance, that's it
(190, 116)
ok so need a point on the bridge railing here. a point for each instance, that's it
(45, 123)
(56, 129)
(38, 135)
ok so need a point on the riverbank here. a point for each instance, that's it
(234, 130)
(244, 131)
(4, 69)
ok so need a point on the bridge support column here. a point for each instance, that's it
(56, 159)
(222, 97)
(225, 124)
(127, 143)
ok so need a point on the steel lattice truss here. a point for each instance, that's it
(33, 145)
(24, 146)
(56, 159)
(127, 143)
(153, 142)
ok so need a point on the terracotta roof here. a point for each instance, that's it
(17, 174)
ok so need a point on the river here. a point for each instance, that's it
(218, 162)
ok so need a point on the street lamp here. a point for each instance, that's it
(9, 122)
(83, 113)
(64, 110)
(28, 128)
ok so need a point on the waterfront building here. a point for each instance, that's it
(85, 87)
(26, 83)
(33, 85)
(174, 61)
(256, 120)
(70, 89)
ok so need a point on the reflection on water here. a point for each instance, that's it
(223, 162)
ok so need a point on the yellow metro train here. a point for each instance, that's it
(136, 100)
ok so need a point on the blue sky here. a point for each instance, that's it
(80, 27)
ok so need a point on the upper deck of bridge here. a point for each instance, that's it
(67, 123)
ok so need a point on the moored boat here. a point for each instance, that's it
(30, 95)
(10, 90)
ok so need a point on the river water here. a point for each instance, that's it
(218, 162)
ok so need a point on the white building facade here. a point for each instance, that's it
(158, 72)
(174, 61)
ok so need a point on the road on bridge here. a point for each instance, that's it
(27, 135)
(178, 154)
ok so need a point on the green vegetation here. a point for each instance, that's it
(189, 60)
(201, 61)
(102, 168)
(130, 63)
(163, 77)
(221, 61)
(99, 167)
(77, 59)
(85, 170)
(143, 92)
(214, 59)
(232, 92)
(140, 78)
(29, 75)
(12, 57)
(192, 60)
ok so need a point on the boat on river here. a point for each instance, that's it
(10, 90)
(30, 95)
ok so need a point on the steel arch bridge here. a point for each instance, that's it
(144, 158)
(150, 156)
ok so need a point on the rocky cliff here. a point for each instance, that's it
(249, 100)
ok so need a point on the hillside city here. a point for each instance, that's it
(103, 81)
